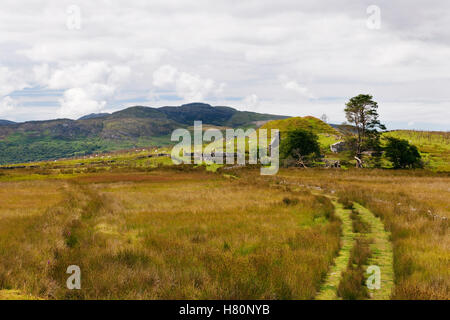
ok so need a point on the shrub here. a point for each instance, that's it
(71, 241)
(301, 144)
(402, 154)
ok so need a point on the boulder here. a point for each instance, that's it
(338, 147)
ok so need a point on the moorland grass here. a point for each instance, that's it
(143, 231)
(165, 234)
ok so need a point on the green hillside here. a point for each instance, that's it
(327, 134)
(434, 146)
(308, 123)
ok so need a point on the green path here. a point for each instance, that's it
(328, 291)
(14, 295)
(382, 253)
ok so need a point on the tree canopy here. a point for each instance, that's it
(300, 145)
(402, 154)
(361, 111)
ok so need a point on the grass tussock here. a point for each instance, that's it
(352, 285)
(346, 202)
(359, 226)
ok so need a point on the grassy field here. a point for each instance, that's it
(163, 234)
(140, 229)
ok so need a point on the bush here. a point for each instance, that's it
(71, 241)
(402, 154)
(300, 145)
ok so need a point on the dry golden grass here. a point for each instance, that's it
(175, 233)
(166, 234)
(27, 198)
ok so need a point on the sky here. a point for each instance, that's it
(66, 59)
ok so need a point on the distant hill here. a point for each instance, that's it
(308, 123)
(188, 113)
(137, 126)
(327, 134)
(6, 122)
(94, 116)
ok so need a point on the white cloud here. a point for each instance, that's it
(78, 102)
(191, 87)
(7, 105)
(11, 80)
(86, 74)
(416, 112)
(251, 101)
(164, 76)
(41, 74)
(298, 89)
(88, 86)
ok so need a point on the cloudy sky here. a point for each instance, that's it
(291, 57)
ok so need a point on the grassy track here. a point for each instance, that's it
(381, 248)
(14, 295)
(328, 291)
(382, 253)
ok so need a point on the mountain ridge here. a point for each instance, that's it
(6, 122)
(137, 126)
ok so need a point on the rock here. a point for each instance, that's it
(338, 147)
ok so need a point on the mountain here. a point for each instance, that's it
(198, 111)
(139, 112)
(188, 113)
(94, 116)
(137, 126)
(6, 122)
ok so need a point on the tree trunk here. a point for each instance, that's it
(358, 162)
